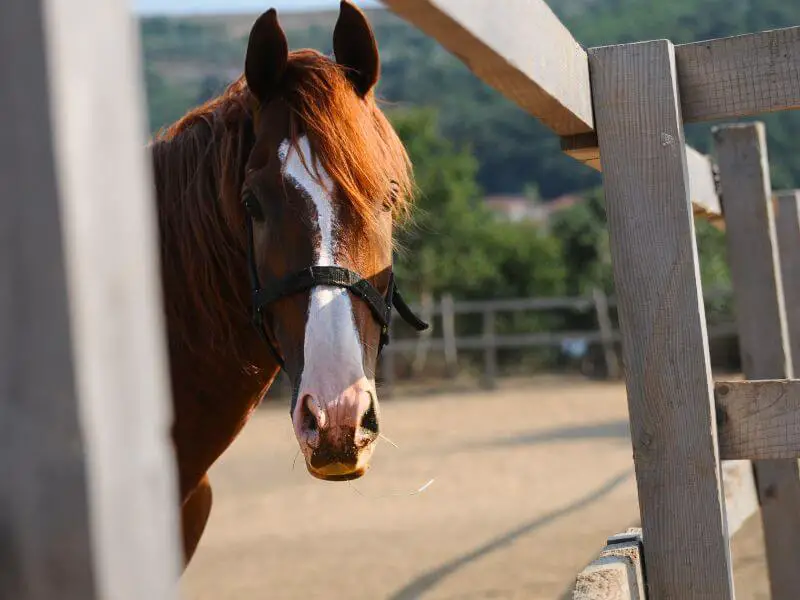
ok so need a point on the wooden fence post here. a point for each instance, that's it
(763, 335)
(489, 350)
(424, 338)
(88, 501)
(606, 333)
(787, 226)
(663, 326)
(449, 335)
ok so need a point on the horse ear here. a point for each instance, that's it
(267, 56)
(355, 48)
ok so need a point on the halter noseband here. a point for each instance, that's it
(313, 276)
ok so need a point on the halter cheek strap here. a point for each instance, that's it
(381, 306)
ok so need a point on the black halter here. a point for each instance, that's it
(310, 277)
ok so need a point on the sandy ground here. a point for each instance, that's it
(529, 480)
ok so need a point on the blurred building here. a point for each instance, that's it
(519, 207)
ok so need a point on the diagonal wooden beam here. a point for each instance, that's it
(519, 47)
(702, 185)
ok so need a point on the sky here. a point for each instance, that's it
(234, 6)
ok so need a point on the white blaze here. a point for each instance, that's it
(332, 348)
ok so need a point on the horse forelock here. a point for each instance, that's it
(199, 164)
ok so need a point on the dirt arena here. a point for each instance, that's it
(528, 482)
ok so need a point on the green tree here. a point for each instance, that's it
(454, 243)
(584, 240)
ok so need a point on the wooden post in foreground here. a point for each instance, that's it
(88, 503)
(662, 319)
(763, 334)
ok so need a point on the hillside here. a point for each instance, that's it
(189, 59)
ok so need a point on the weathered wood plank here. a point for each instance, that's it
(739, 76)
(763, 336)
(519, 47)
(668, 374)
(759, 419)
(116, 309)
(616, 574)
(701, 172)
(719, 79)
(787, 226)
(44, 516)
(583, 148)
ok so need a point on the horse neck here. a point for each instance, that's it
(204, 268)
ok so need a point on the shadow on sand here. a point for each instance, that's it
(427, 581)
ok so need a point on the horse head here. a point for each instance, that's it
(325, 179)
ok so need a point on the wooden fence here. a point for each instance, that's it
(623, 108)
(87, 506)
(449, 344)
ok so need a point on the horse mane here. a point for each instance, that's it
(198, 167)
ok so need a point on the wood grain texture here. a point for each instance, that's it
(616, 574)
(787, 228)
(116, 310)
(752, 250)
(45, 544)
(705, 199)
(740, 76)
(668, 375)
(519, 47)
(763, 335)
(759, 419)
(584, 148)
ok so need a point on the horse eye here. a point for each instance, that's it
(252, 206)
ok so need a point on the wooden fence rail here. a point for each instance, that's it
(489, 341)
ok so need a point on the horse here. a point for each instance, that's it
(276, 204)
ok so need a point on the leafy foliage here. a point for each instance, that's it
(512, 149)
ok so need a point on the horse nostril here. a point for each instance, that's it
(311, 414)
(369, 421)
(310, 423)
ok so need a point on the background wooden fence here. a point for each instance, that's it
(445, 341)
